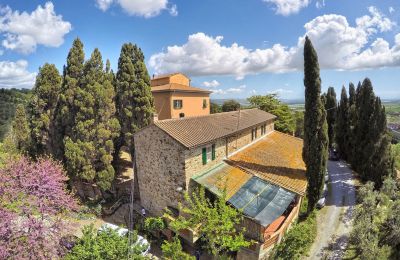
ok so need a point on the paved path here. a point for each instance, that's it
(334, 220)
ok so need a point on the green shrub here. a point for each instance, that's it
(105, 244)
(298, 240)
(173, 250)
(154, 224)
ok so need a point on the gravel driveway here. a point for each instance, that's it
(334, 220)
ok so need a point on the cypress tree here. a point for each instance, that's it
(134, 100)
(89, 148)
(66, 109)
(41, 108)
(20, 130)
(331, 109)
(315, 127)
(342, 136)
(382, 161)
(365, 106)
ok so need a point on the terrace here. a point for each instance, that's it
(266, 181)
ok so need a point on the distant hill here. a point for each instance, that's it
(9, 99)
(244, 102)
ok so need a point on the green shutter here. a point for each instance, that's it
(204, 155)
(213, 152)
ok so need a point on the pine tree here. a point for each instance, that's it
(134, 100)
(20, 130)
(66, 109)
(41, 108)
(342, 136)
(331, 109)
(315, 127)
(89, 148)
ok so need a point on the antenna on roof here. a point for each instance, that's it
(238, 121)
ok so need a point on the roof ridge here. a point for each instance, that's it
(210, 115)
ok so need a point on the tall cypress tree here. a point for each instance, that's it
(315, 127)
(66, 108)
(352, 122)
(20, 129)
(133, 95)
(365, 106)
(41, 109)
(381, 162)
(372, 158)
(342, 136)
(331, 109)
(89, 148)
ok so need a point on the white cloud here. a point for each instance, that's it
(253, 92)
(239, 89)
(376, 20)
(24, 31)
(104, 4)
(173, 10)
(391, 9)
(280, 91)
(339, 46)
(288, 7)
(210, 84)
(16, 75)
(205, 55)
(320, 4)
(144, 8)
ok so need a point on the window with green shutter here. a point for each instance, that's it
(204, 155)
(213, 152)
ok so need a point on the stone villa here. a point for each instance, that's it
(262, 170)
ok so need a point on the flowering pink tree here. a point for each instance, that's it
(33, 201)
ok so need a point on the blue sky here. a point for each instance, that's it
(235, 48)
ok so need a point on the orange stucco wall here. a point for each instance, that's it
(177, 78)
(192, 104)
(162, 102)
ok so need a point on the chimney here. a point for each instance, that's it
(154, 118)
(153, 76)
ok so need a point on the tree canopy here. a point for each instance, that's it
(216, 222)
(104, 244)
(285, 121)
(315, 127)
(33, 198)
(230, 105)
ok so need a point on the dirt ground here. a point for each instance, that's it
(335, 219)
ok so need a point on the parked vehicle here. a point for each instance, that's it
(123, 232)
(333, 155)
(326, 176)
(321, 201)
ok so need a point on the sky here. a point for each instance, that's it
(235, 48)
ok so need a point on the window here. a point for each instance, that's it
(263, 129)
(181, 115)
(254, 133)
(208, 154)
(204, 103)
(204, 155)
(178, 104)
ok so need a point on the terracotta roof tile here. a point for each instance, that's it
(195, 131)
(177, 87)
(276, 158)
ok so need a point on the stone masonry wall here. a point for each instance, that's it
(244, 138)
(194, 160)
(161, 169)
